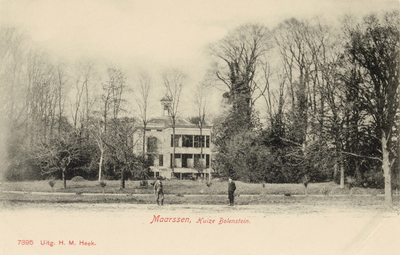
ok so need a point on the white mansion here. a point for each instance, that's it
(192, 146)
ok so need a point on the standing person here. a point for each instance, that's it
(231, 191)
(159, 192)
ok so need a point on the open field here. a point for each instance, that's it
(275, 204)
(186, 187)
(321, 198)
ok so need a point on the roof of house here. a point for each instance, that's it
(166, 122)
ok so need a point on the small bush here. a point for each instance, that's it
(52, 183)
(103, 185)
(374, 179)
(144, 183)
(78, 179)
(351, 182)
(23, 172)
(325, 191)
(305, 180)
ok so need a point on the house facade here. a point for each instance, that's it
(192, 147)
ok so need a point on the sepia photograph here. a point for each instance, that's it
(199, 127)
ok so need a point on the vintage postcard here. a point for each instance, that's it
(199, 127)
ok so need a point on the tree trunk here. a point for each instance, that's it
(335, 170)
(341, 174)
(202, 167)
(122, 179)
(64, 179)
(173, 145)
(100, 163)
(144, 139)
(386, 171)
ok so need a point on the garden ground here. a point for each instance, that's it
(280, 198)
(185, 187)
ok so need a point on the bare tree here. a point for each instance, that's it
(291, 39)
(12, 55)
(113, 101)
(174, 80)
(143, 103)
(239, 57)
(56, 155)
(97, 133)
(62, 92)
(42, 95)
(112, 95)
(202, 100)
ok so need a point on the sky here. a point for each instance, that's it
(154, 35)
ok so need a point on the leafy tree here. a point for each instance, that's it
(374, 45)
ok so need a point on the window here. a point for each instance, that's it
(176, 156)
(177, 137)
(199, 141)
(161, 160)
(196, 160)
(187, 141)
(197, 163)
(196, 141)
(152, 144)
(187, 160)
(150, 158)
(207, 160)
(207, 141)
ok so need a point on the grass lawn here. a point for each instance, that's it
(186, 187)
(187, 192)
(275, 204)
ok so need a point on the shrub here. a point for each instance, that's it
(78, 179)
(22, 172)
(374, 179)
(103, 185)
(144, 183)
(305, 180)
(52, 183)
(350, 181)
(325, 191)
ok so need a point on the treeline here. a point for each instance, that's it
(330, 95)
(61, 120)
